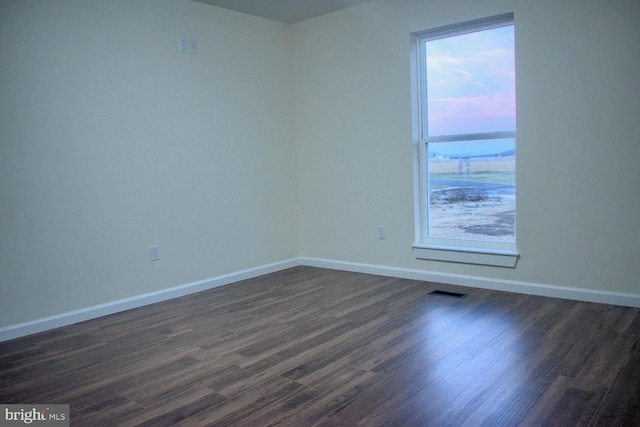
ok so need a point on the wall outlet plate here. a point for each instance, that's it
(154, 252)
(189, 46)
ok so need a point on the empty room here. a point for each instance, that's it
(319, 213)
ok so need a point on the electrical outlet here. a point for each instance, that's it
(154, 252)
(382, 232)
(189, 46)
(193, 46)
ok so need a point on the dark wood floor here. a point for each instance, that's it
(310, 346)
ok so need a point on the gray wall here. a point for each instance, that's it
(578, 165)
(112, 141)
(279, 141)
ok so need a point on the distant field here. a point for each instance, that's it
(476, 165)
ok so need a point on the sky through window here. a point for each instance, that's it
(471, 83)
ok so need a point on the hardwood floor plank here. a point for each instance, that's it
(620, 405)
(113, 411)
(247, 405)
(172, 412)
(485, 370)
(170, 386)
(516, 406)
(317, 347)
(603, 365)
(330, 402)
(86, 392)
(570, 408)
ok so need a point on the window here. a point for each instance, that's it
(465, 142)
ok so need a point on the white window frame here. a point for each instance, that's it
(499, 254)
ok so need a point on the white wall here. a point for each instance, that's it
(111, 141)
(578, 106)
(280, 141)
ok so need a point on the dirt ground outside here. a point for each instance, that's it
(487, 221)
(461, 209)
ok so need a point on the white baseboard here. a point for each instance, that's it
(577, 294)
(63, 319)
(68, 318)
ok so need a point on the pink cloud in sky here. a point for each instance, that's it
(471, 114)
(471, 83)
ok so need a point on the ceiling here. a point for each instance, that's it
(288, 11)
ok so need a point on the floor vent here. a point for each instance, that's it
(448, 294)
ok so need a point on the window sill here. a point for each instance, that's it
(481, 256)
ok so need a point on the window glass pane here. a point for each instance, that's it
(471, 192)
(471, 83)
